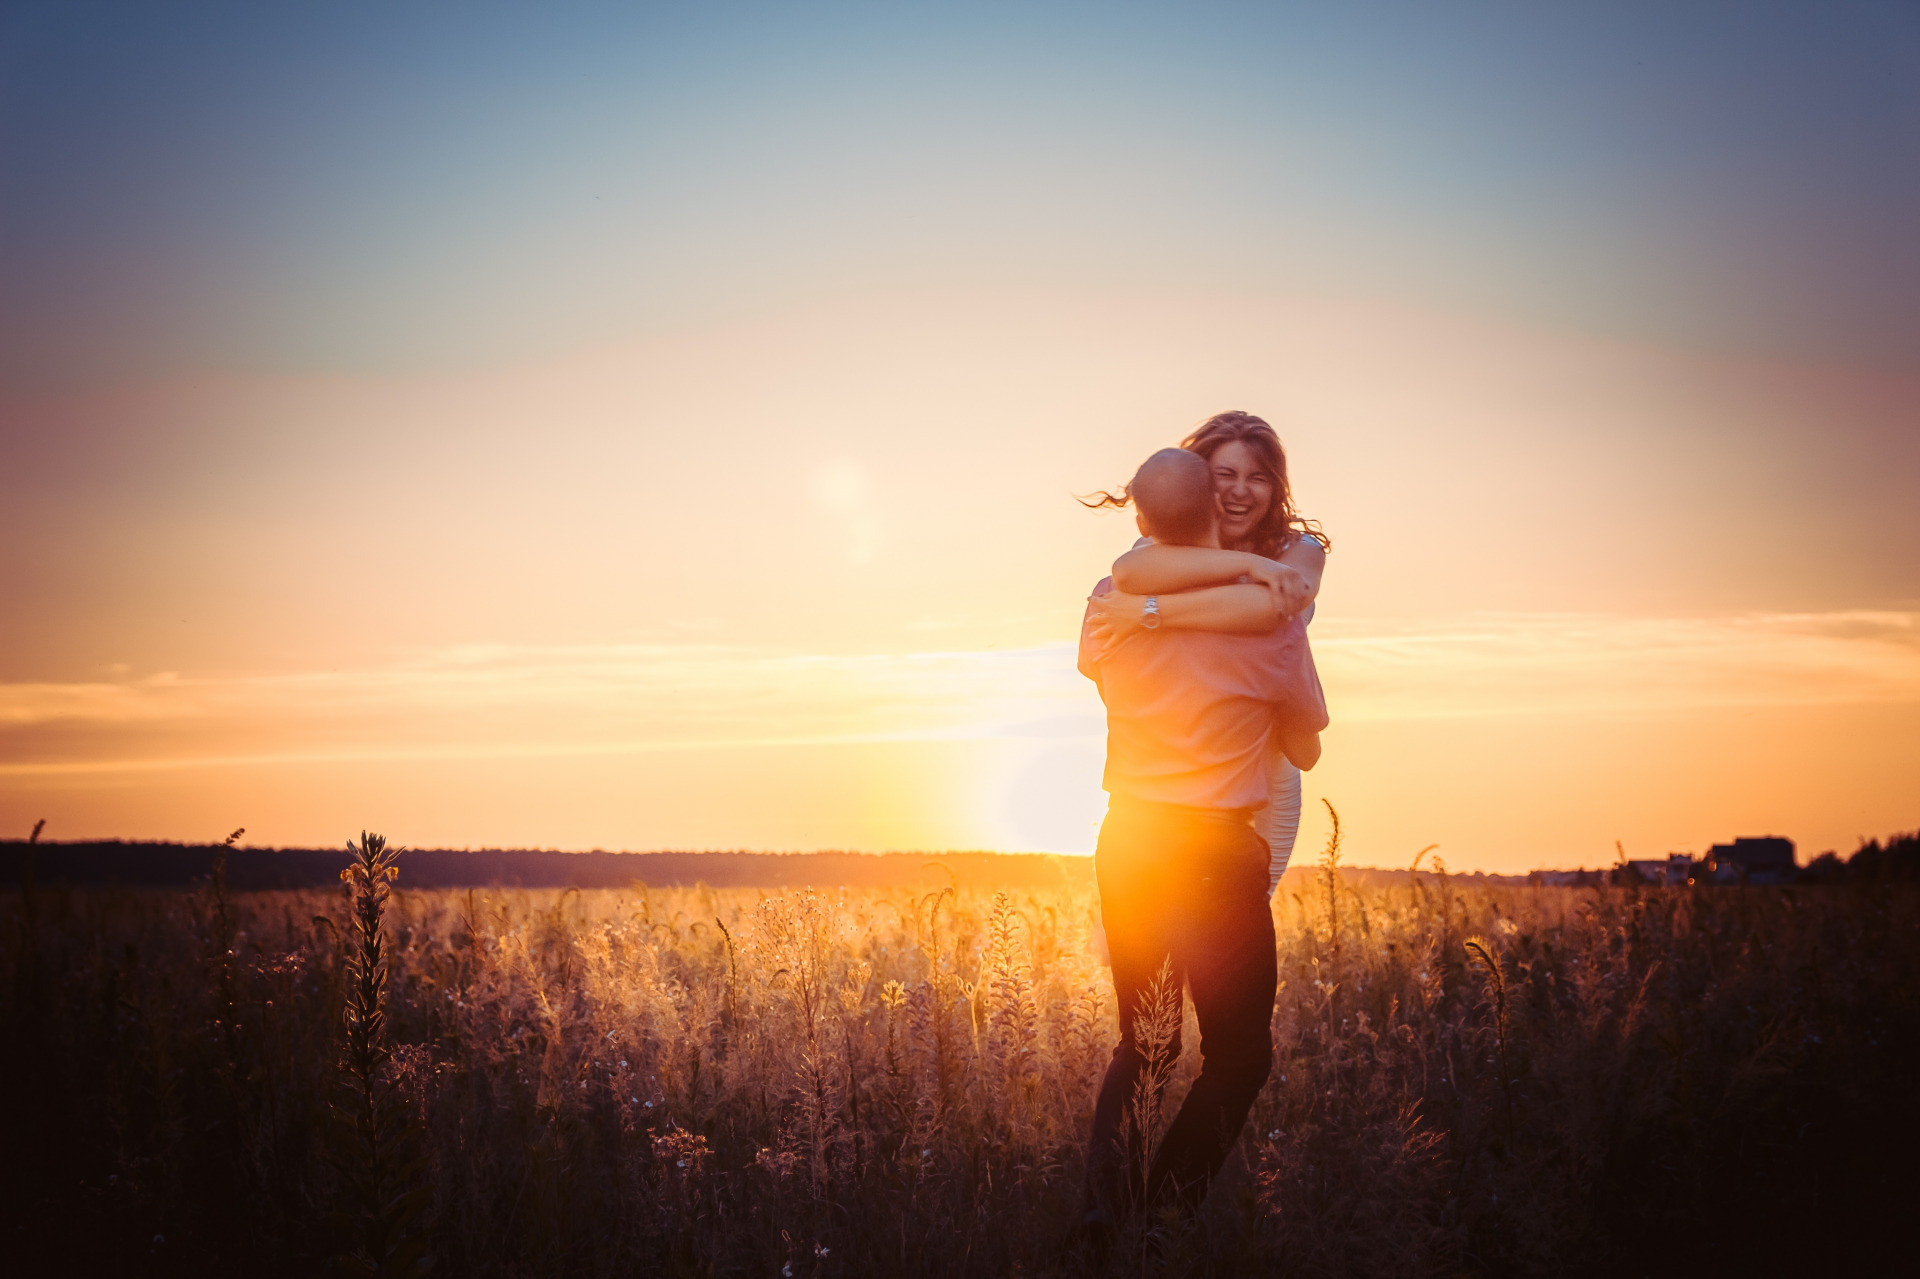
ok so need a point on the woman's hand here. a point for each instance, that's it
(1289, 587)
(1115, 616)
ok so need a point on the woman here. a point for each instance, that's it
(1266, 541)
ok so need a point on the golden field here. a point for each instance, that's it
(1469, 1079)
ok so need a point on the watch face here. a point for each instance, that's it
(1151, 621)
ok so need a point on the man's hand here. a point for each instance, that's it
(1114, 616)
(1301, 747)
(1289, 588)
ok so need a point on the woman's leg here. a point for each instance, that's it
(1281, 822)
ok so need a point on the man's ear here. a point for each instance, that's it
(1140, 522)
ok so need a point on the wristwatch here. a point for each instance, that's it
(1150, 613)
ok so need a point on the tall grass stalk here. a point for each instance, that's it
(27, 972)
(1156, 1032)
(1330, 878)
(382, 1169)
(1497, 982)
(220, 957)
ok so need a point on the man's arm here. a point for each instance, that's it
(1241, 609)
(1091, 645)
(1292, 684)
(1299, 745)
(1154, 569)
(1279, 669)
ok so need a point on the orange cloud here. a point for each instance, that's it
(996, 748)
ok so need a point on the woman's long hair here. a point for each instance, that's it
(1282, 525)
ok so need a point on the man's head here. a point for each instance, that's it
(1173, 497)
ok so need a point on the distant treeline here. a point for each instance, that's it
(1896, 861)
(157, 864)
(160, 865)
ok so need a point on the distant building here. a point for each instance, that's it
(1567, 878)
(1675, 870)
(1766, 859)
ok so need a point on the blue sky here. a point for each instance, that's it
(355, 186)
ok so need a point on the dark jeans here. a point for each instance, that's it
(1187, 885)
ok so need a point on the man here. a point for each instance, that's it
(1191, 719)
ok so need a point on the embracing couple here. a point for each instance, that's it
(1198, 645)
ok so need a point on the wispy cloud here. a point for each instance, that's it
(504, 701)
(1569, 665)
(498, 701)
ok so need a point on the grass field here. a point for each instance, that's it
(1468, 1080)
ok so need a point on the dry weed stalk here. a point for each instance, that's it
(1330, 873)
(1497, 980)
(220, 956)
(382, 1170)
(28, 981)
(1156, 1030)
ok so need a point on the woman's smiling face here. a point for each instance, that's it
(1245, 489)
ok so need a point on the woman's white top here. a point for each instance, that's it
(1280, 820)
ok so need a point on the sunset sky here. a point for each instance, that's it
(643, 427)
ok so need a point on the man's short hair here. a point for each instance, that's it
(1173, 489)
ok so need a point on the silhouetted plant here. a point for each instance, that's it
(1330, 878)
(1156, 1025)
(220, 958)
(1497, 982)
(27, 976)
(382, 1166)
